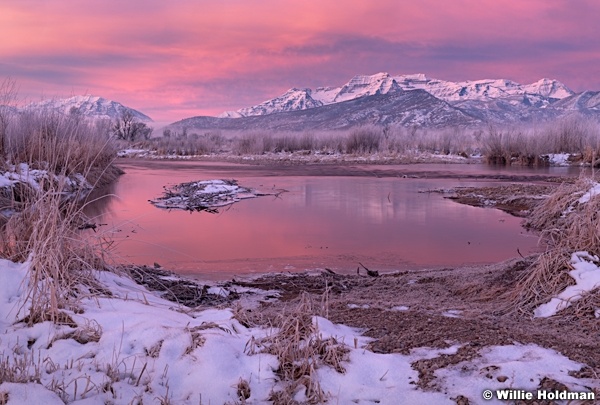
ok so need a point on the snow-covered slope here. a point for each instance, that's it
(582, 102)
(539, 94)
(292, 100)
(303, 99)
(483, 90)
(549, 88)
(360, 86)
(88, 106)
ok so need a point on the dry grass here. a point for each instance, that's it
(20, 368)
(549, 213)
(545, 278)
(91, 331)
(587, 309)
(566, 226)
(361, 140)
(60, 143)
(46, 218)
(300, 350)
(517, 144)
(525, 145)
(46, 233)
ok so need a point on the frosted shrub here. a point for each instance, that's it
(364, 140)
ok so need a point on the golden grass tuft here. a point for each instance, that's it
(587, 309)
(300, 350)
(43, 220)
(61, 261)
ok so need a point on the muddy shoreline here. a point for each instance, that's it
(378, 169)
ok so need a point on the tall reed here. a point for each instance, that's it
(56, 160)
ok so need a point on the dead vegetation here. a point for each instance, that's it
(176, 289)
(567, 225)
(432, 308)
(301, 350)
(44, 232)
(52, 162)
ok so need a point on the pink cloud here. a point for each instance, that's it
(200, 57)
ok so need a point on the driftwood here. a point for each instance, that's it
(371, 273)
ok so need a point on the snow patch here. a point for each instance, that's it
(586, 274)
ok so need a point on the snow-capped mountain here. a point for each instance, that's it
(483, 90)
(292, 100)
(407, 100)
(407, 108)
(358, 86)
(302, 99)
(587, 102)
(88, 106)
(549, 88)
(539, 94)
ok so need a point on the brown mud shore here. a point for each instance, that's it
(434, 170)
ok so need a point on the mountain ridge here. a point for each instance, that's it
(407, 108)
(543, 92)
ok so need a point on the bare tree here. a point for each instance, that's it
(128, 128)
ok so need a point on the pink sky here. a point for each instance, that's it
(177, 59)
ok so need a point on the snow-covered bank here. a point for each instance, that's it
(309, 157)
(131, 346)
(22, 173)
(35, 180)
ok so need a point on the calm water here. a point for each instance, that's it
(326, 219)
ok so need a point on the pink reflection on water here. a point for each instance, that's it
(333, 222)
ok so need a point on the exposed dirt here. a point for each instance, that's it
(354, 168)
(438, 308)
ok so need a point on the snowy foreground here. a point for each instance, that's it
(134, 347)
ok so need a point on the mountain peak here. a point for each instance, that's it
(88, 106)
(292, 100)
(549, 88)
(362, 85)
